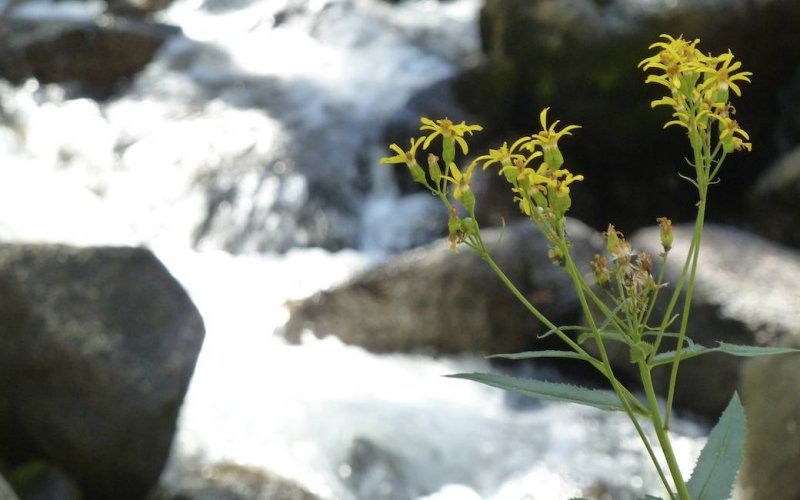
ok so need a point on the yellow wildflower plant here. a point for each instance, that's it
(699, 88)
(623, 307)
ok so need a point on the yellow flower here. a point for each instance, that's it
(549, 136)
(722, 78)
(459, 180)
(407, 157)
(447, 128)
(504, 156)
(727, 136)
(562, 185)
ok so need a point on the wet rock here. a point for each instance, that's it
(231, 481)
(746, 292)
(429, 299)
(137, 8)
(96, 55)
(772, 448)
(378, 473)
(775, 200)
(97, 347)
(580, 58)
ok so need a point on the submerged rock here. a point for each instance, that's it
(429, 299)
(97, 347)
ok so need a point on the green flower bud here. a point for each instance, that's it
(468, 200)
(666, 233)
(417, 173)
(433, 168)
(468, 225)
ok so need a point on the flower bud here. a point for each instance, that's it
(601, 272)
(453, 225)
(433, 168)
(612, 239)
(417, 173)
(666, 233)
(468, 200)
(468, 225)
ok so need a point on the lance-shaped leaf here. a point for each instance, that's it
(605, 400)
(542, 354)
(715, 472)
(731, 349)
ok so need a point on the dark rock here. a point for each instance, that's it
(230, 481)
(580, 58)
(746, 292)
(775, 201)
(378, 473)
(772, 447)
(97, 347)
(137, 8)
(42, 481)
(97, 54)
(432, 300)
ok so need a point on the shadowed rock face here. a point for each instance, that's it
(580, 58)
(97, 347)
(432, 300)
(95, 56)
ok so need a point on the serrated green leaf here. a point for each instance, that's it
(752, 350)
(715, 472)
(687, 352)
(541, 354)
(539, 389)
(730, 349)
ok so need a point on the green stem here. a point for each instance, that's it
(621, 391)
(687, 303)
(662, 435)
(626, 396)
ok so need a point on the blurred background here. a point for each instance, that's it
(237, 143)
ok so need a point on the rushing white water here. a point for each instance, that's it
(278, 83)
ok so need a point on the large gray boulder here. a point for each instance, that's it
(97, 347)
(429, 299)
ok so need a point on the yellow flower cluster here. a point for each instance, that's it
(543, 191)
(451, 134)
(699, 88)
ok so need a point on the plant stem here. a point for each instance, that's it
(661, 433)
